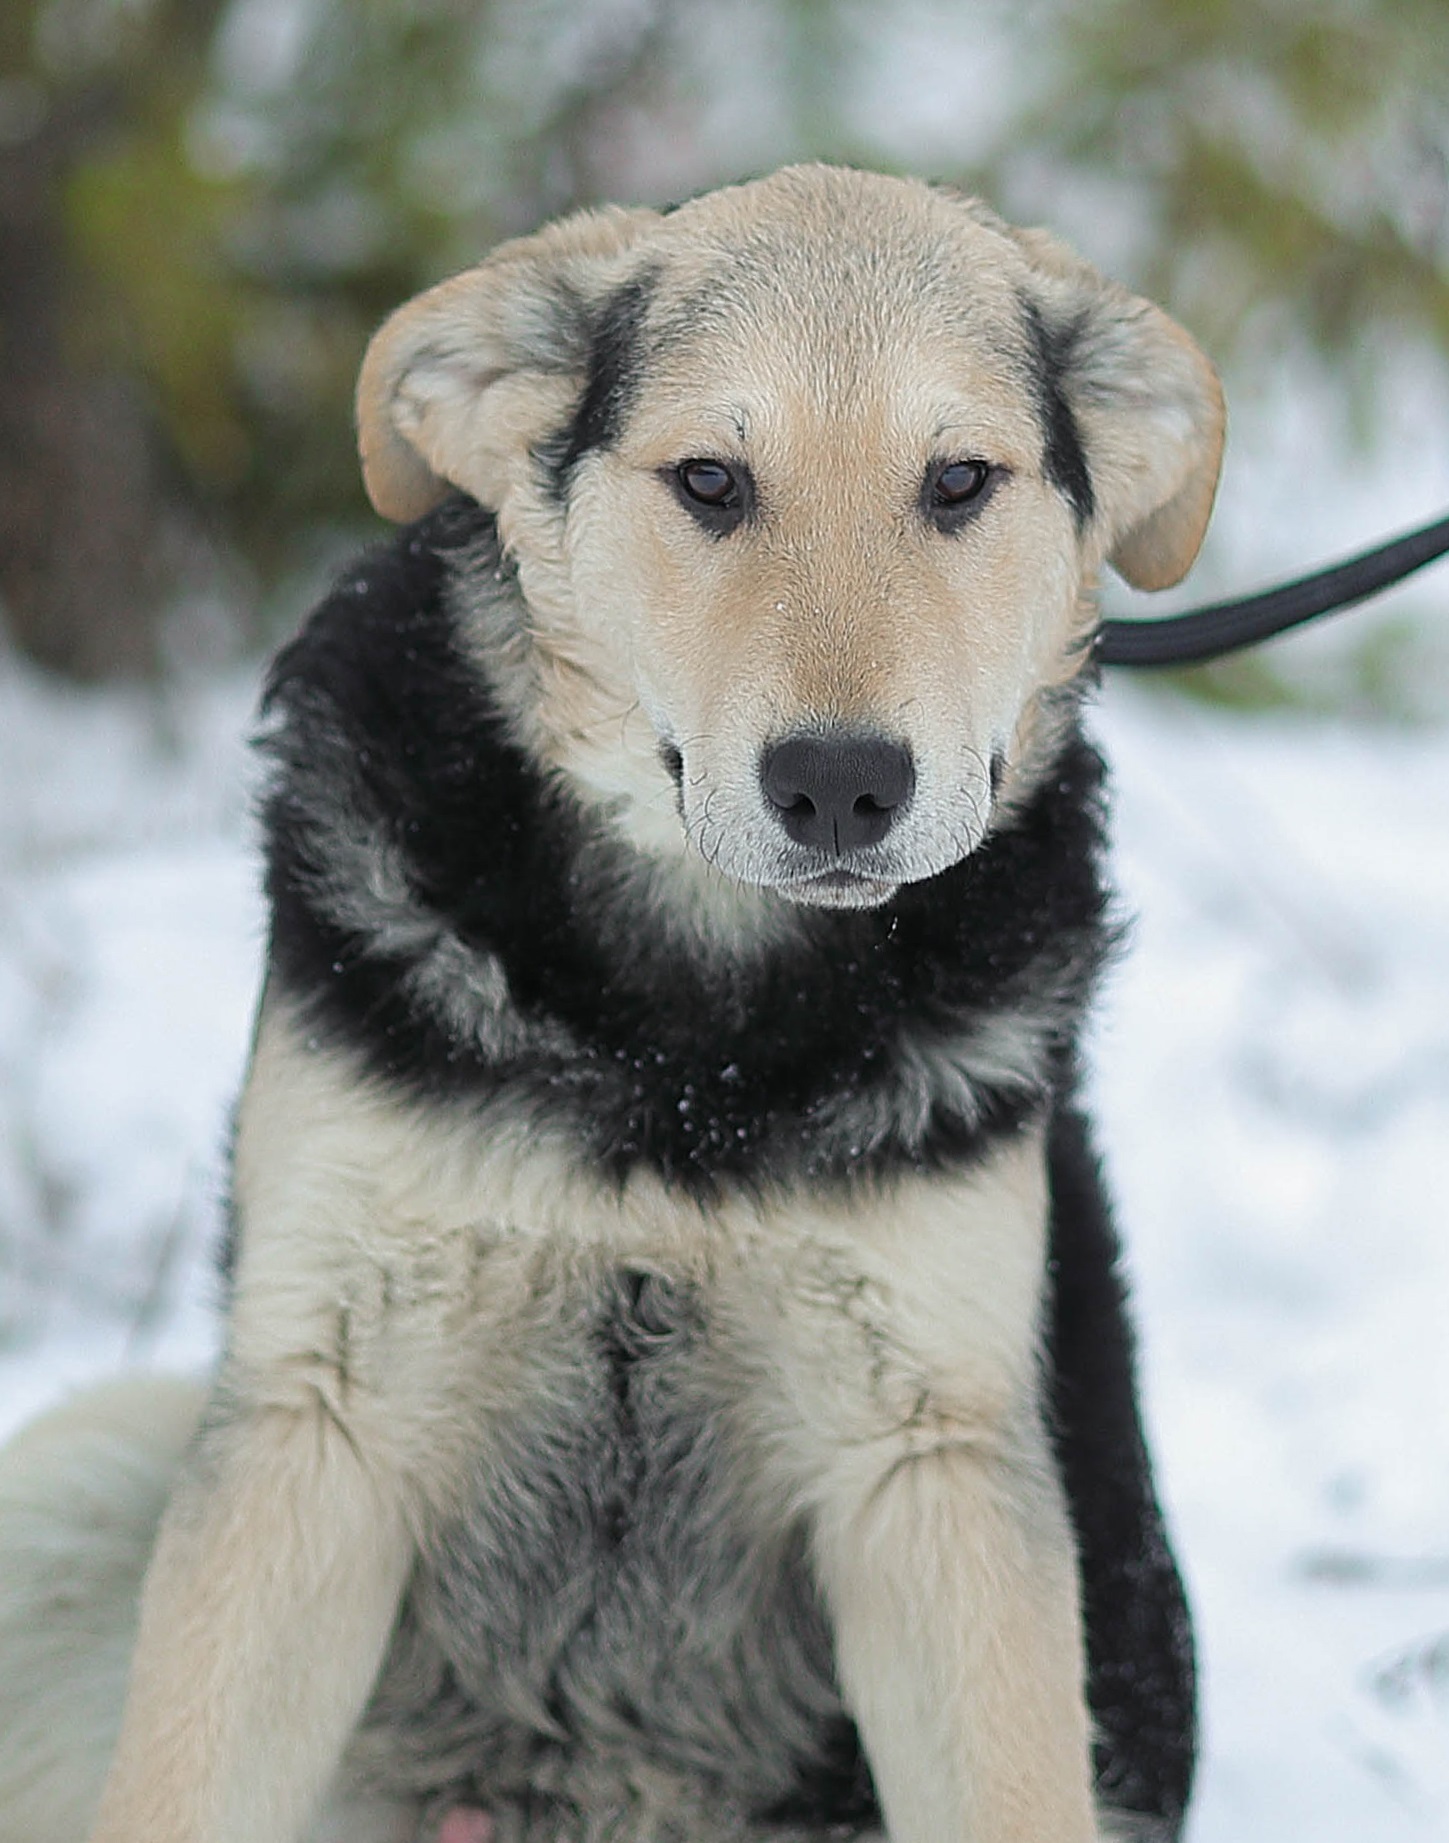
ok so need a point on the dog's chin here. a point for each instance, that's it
(838, 889)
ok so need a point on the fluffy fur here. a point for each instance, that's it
(677, 1385)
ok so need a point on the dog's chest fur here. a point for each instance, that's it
(613, 1621)
(607, 1625)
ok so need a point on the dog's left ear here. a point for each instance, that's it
(458, 384)
(1148, 406)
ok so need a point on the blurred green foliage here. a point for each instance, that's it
(1287, 160)
(240, 189)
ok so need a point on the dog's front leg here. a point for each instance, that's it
(359, 1322)
(268, 1604)
(910, 1382)
(952, 1587)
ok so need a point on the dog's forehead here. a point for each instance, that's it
(837, 289)
(844, 263)
(839, 223)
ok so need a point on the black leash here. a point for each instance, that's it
(1223, 627)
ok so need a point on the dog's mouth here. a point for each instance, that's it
(839, 889)
(749, 836)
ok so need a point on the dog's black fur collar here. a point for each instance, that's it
(444, 911)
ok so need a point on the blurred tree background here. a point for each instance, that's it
(205, 206)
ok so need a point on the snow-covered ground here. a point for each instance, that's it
(1273, 1088)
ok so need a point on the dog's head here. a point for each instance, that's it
(808, 484)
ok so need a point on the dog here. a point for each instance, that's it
(677, 1383)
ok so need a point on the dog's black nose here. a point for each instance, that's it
(837, 792)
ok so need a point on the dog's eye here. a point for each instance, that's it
(709, 483)
(718, 495)
(959, 481)
(953, 489)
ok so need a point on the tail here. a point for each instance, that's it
(81, 1495)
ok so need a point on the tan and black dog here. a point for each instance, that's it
(677, 1386)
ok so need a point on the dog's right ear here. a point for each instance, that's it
(457, 385)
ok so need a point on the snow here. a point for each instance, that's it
(130, 940)
(1272, 1086)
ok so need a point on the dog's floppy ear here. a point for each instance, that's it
(1148, 406)
(456, 384)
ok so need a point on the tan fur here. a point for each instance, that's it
(457, 384)
(282, 1530)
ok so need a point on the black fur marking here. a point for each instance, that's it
(1064, 459)
(1140, 1666)
(806, 1060)
(615, 364)
(623, 1339)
